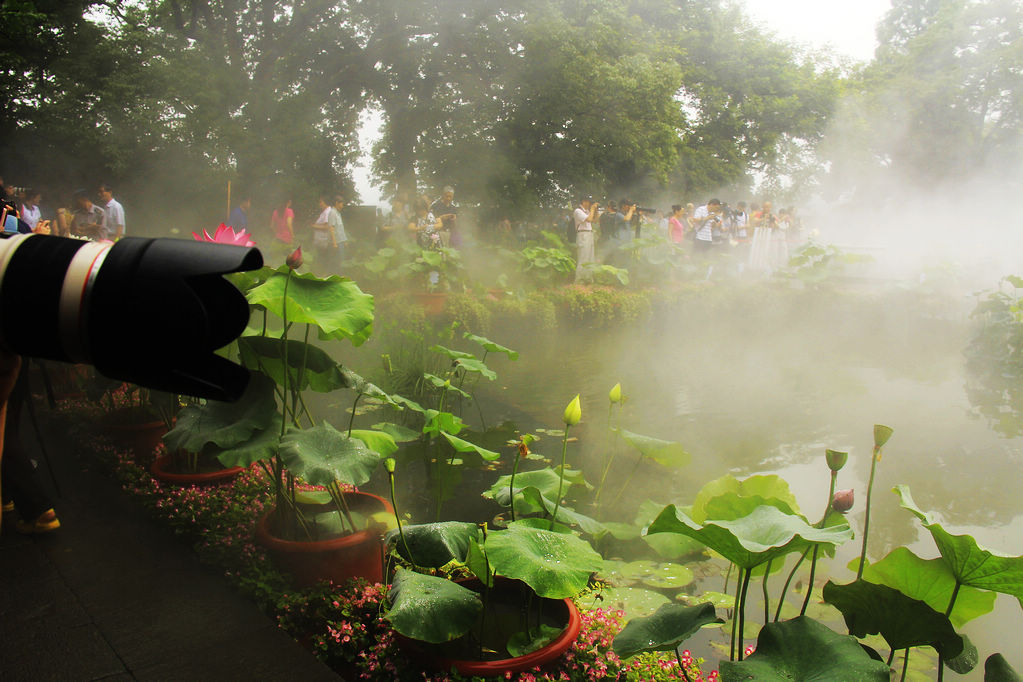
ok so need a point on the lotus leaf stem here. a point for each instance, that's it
(610, 454)
(681, 665)
(866, 519)
(628, 480)
(397, 519)
(351, 420)
(297, 394)
(561, 474)
(948, 613)
(767, 603)
(284, 353)
(891, 658)
(742, 608)
(511, 483)
(905, 665)
(341, 503)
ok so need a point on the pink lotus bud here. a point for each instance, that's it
(842, 501)
(294, 261)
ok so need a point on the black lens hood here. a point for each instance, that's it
(159, 308)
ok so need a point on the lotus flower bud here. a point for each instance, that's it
(294, 261)
(842, 501)
(573, 413)
(836, 459)
(389, 465)
(615, 395)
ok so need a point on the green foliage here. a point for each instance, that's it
(429, 608)
(322, 455)
(224, 425)
(767, 487)
(997, 669)
(435, 544)
(554, 565)
(308, 366)
(795, 650)
(665, 630)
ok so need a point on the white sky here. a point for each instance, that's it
(846, 27)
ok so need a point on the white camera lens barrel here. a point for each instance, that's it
(45, 284)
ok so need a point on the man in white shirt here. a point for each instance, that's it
(705, 219)
(584, 215)
(113, 213)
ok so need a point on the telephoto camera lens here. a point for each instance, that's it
(148, 311)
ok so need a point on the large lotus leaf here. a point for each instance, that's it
(397, 432)
(535, 499)
(435, 544)
(555, 565)
(477, 562)
(322, 455)
(437, 422)
(444, 384)
(402, 401)
(764, 534)
(970, 564)
(334, 304)
(967, 659)
(321, 374)
(492, 347)
(453, 354)
(379, 442)
(465, 446)
(930, 581)
(429, 608)
(871, 609)
(224, 424)
(664, 452)
(545, 480)
(261, 445)
(729, 506)
(528, 641)
(668, 627)
(997, 669)
(476, 366)
(770, 486)
(803, 649)
(544, 524)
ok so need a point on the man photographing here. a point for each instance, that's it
(706, 219)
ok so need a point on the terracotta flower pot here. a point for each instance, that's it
(134, 430)
(564, 611)
(359, 555)
(162, 469)
(432, 302)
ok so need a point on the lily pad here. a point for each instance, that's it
(261, 445)
(795, 650)
(397, 432)
(903, 622)
(970, 564)
(334, 304)
(450, 353)
(764, 534)
(719, 599)
(666, 453)
(555, 565)
(322, 455)
(476, 366)
(668, 627)
(429, 608)
(634, 601)
(444, 384)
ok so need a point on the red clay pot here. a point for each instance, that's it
(432, 302)
(141, 436)
(359, 555)
(162, 469)
(498, 668)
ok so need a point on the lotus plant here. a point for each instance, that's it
(225, 234)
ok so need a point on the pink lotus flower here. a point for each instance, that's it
(842, 501)
(294, 261)
(226, 235)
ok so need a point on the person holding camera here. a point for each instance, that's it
(89, 220)
(584, 215)
(707, 219)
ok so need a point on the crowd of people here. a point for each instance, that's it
(102, 219)
(759, 236)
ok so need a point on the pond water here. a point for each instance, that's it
(760, 379)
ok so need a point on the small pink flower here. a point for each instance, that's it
(226, 235)
(294, 261)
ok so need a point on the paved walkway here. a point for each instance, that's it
(114, 596)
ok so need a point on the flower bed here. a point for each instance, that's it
(340, 624)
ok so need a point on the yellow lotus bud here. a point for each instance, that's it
(389, 465)
(615, 395)
(573, 413)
